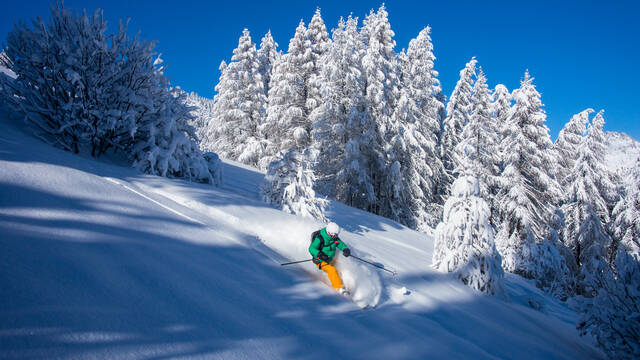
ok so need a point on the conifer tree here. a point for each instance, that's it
(289, 185)
(319, 44)
(381, 91)
(568, 142)
(586, 207)
(239, 107)
(464, 239)
(342, 129)
(287, 121)
(458, 112)
(528, 199)
(499, 108)
(500, 105)
(268, 55)
(416, 145)
(479, 138)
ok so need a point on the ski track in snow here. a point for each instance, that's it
(129, 188)
(99, 261)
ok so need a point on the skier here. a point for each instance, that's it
(323, 249)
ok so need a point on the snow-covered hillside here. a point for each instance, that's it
(100, 261)
(622, 152)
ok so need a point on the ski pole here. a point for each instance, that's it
(296, 262)
(372, 264)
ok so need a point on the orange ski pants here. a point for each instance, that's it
(336, 282)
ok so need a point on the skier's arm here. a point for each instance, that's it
(341, 245)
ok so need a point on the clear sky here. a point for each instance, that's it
(581, 53)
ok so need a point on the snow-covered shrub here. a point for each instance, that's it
(78, 87)
(289, 185)
(464, 239)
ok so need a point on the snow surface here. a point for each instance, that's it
(100, 261)
(622, 152)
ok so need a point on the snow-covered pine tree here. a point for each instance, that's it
(319, 44)
(458, 112)
(500, 106)
(585, 205)
(268, 55)
(289, 186)
(165, 144)
(202, 113)
(288, 125)
(239, 107)
(479, 140)
(592, 243)
(381, 92)
(464, 240)
(416, 146)
(102, 91)
(567, 144)
(342, 129)
(529, 194)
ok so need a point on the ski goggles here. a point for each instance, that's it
(333, 235)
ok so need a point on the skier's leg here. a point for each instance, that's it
(336, 282)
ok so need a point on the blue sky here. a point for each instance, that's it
(581, 53)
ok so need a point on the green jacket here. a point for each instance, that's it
(330, 245)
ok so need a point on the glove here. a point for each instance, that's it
(322, 256)
(346, 252)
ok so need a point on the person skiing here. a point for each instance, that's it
(323, 249)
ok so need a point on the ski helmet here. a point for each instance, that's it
(333, 229)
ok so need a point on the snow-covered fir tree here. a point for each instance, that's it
(464, 240)
(567, 144)
(500, 105)
(268, 55)
(289, 186)
(202, 113)
(499, 108)
(239, 107)
(319, 44)
(586, 207)
(416, 144)
(166, 144)
(479, 140)
(458, 112)
(342, 130)
(592, 243)
(102, 92)
(381, 92)
(529, 195)
(288, 125)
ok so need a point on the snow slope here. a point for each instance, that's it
(100, 261)
(622, 152)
